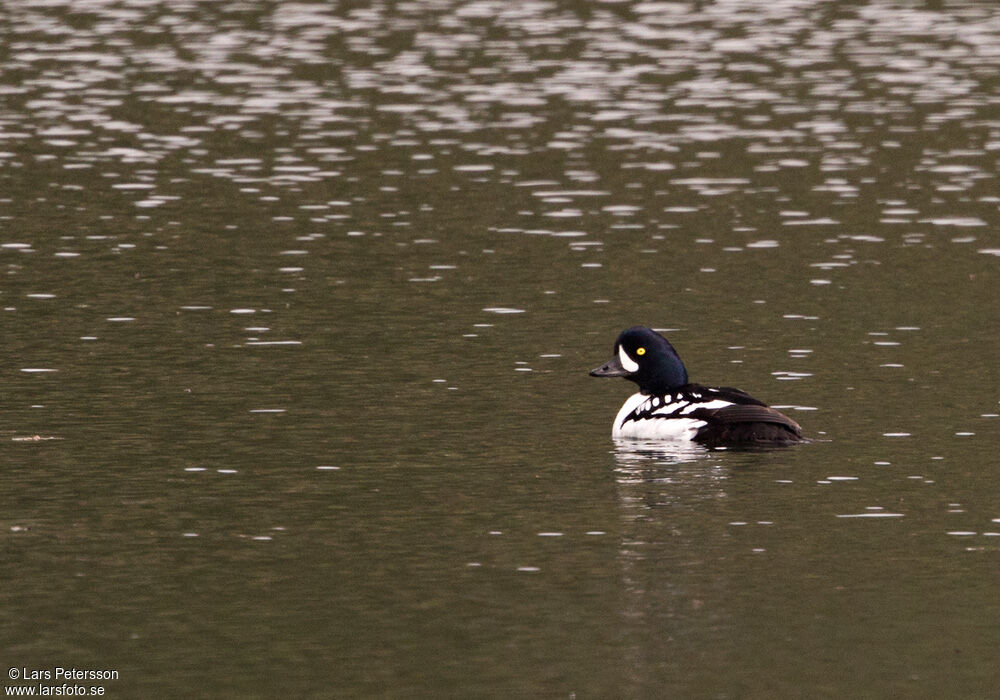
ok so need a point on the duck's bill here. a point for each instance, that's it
(611, 368)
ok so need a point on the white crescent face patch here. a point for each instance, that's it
(628, 363)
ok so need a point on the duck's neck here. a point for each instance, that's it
(665, 378)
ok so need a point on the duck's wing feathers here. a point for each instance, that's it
(726, 393)
(743, 420)
(738, 413)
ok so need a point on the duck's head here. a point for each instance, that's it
(647, 358)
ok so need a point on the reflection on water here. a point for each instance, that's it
(633, 456)
(663, 491)
(658, 474)
(298, 300)
(717, 547)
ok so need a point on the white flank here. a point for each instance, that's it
(652, 428)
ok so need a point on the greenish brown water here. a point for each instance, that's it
(299, 301)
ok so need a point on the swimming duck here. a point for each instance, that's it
(667, 406)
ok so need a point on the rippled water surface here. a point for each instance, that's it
(299, 299)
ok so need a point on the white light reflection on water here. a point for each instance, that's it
(633, 456)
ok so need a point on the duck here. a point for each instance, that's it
(669, 407)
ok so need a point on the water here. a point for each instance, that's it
(299, 302)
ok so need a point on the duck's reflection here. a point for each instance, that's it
(630, 452)
(644, 468)
(673, 593)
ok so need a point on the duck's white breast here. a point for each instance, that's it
(661, 425)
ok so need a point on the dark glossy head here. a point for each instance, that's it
(647, 358)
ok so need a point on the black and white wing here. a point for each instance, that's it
(743, 420)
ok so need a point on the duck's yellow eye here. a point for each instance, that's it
(640, 351)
